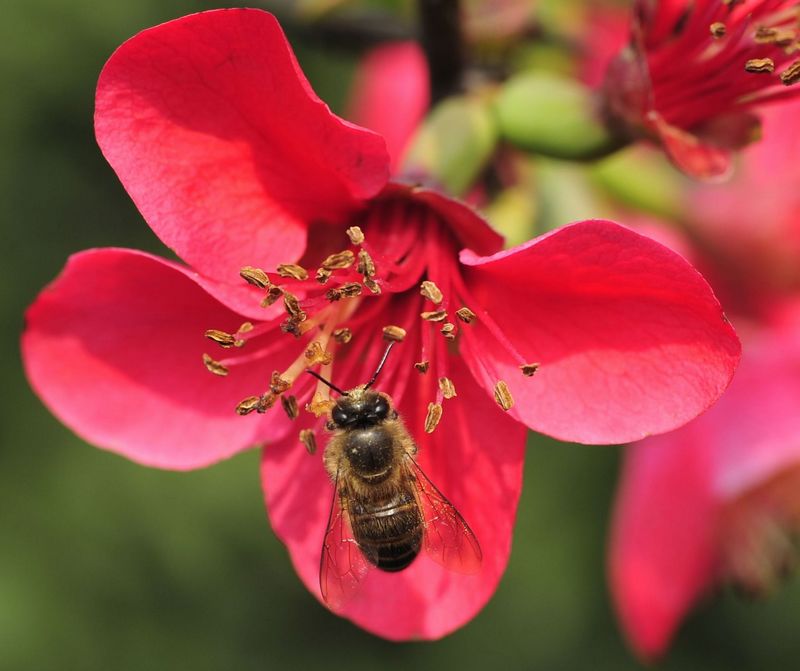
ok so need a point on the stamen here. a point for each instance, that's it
(447, 387)
(430, 291)
(258, 403)
(366, 266)
(503, 396)
(766, 65)
(316, 354)
(215, 366)
(528, 369)
(422, 366)
(433, 417)
(339, 261)
(448, 331)
(780, 36)
(282, 382)
(437, 316)
(273, 294)
(372, 285)
(343, 336)
(791, 75)
(277, 384)
(717, 30)
(320, 404)
(289, 404)
(356, 235)
(351, 289)
(248, 405)
(255, 276)
(348, 290)
(221, 338)
(292, 270)
(323, 275)
(466, 315)
(308, 439)
(292, 306)
(395, 333)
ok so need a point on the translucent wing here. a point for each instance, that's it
(342, 565)
(448, 540)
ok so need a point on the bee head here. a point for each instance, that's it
(361, 409)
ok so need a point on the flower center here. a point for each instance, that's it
(399, 273)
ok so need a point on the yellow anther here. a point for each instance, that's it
(433, 417)
(221, 337)
(308, 439)
(255, 276)
(356, 235)
(392, 332)
(430, 291)
(447, 387)
(215, 366)
(293, 271)
(503, 396)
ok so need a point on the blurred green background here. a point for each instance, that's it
(108, 565)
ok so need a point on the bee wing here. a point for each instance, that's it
(342, 564)
(448, 540)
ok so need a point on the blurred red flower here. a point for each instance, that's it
(390, 94)
(717, 501)
(752, 223)
(236, 164)
(694, 72)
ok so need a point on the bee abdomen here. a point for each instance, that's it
(389, 532)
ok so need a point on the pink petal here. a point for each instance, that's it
(114, 348)
(223, 146)
(390, 94)
(662, 553)
(474, 457)
(754, 430)
(630, 338)
(691, 154)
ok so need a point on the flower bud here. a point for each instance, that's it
(554, 116)
(454, 143)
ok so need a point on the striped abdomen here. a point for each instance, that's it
(388, 530)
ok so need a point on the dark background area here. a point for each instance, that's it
(108, 565)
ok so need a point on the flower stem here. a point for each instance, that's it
(440, 31)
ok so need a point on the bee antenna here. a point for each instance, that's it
(330, 384)
(380, 365)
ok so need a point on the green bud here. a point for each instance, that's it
(554, 116)
(642, 179)
(454, 143)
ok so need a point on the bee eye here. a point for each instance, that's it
(381, 408)
(339, 416)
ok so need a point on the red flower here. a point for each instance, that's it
(753, 222)
(694, 72)
(234, 162)
(391, 94)
(717, 501)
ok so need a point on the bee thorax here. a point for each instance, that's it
(370, 453)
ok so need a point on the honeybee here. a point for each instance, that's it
(385, 510)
